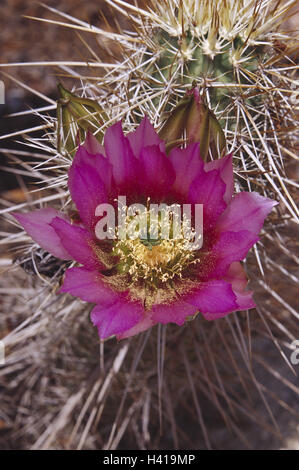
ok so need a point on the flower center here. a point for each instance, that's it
(154, 263)
(153, 253)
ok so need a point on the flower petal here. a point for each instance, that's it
(120, 155)
(144, 324)
(208, 189)
(78, 242)
(89, 286)
(236, 276)
(230, 247)
(37, 225)
(245, 300)
(95, 160)
(187, 163)
(225, 165)
(87, 190)
(92, 145)
(214, 299)
(157, 172)
(116, 318)
(176, 312)
(143, 136)
(247, 211)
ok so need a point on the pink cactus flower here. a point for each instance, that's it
(136, 285)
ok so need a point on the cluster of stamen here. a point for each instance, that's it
(156, 260)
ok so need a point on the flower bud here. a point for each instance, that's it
(172, 131)
(75, 117)
(199, 124)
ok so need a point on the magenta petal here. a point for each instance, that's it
(177, 312)
(230, 247)
(78, 242)
(89, 286)
(225, 165)
(92, 145)
(247, 211)
(187, 163)
(87, 191)
(236, 276)
(157, 172)
(208, 189)
(214, 299)
(120, 155)
(37, 225)
(96, 161)
(143, 136)
(144, 324)
(245, 300)
(117, 318)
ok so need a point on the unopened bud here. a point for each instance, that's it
(172, 131)
(192, 119)
(75, 117)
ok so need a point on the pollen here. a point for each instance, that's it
(159, 260)
(157, 264)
